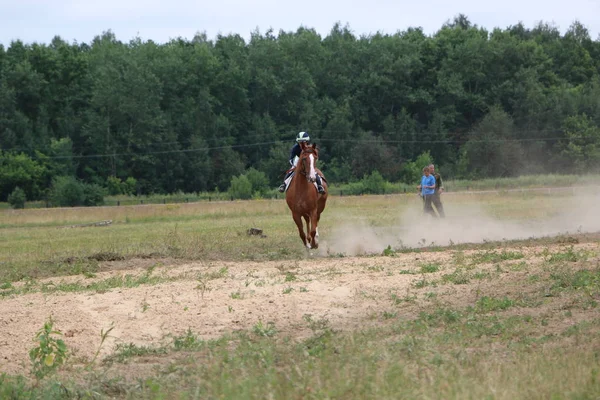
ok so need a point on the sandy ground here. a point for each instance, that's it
(350, 292)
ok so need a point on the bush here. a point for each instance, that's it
(258, 180)
(113, 184)
(129, 186)
(116, 186)
(17, 198)
(67, 191)
(93, 195)
(412, 171)
(240, 187)
(374, 183)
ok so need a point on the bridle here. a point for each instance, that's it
(304, 170)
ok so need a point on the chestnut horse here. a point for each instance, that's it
(302, 196)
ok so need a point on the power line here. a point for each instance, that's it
(162, 152)
(247, 145)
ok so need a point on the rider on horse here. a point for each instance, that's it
(294, 155)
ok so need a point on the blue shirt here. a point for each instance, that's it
(427, 181)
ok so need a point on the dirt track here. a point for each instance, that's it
(215, 298)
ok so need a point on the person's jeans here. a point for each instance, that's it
(427, 208)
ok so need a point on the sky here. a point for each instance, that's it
(160, 20)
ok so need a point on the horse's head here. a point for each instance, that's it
(308, 159)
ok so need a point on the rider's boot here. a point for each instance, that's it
(320, 187)
(281, 187)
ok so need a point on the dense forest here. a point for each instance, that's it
(188, 115)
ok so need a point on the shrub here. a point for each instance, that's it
(240, 187)
(67, 191)
(93, 195)
(258, 180)
(129, 186)
(373, 183)
(114, 185)
(412, 171)
(17, 198)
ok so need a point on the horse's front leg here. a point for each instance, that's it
(313, 233)
(309, 238)
(300, 225)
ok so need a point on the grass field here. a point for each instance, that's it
(177, 301)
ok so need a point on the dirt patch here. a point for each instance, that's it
(215, 298)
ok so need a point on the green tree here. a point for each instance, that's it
(582, 145)
(22, 171)
(493, 149)
(17, 198)
(413, 170)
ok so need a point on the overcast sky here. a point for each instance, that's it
(161, 20)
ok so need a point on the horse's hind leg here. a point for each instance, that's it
(300, 225)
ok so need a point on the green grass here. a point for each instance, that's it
(445, 353)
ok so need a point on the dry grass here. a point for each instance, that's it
(498, 320)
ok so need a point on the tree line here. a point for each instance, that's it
(140, 117)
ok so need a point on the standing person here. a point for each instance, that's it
(439, 189)
(428, 189)
(294, 155)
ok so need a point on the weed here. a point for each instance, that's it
(123, 352)
(458, 277)
(103, 336)
(495, 257)
(50, 353)
(430, 268)
(406, 299)
(208, 276)
(389, 315)
(481, 275)
(488, 304)
(236, 295)
(424, 283)
(290, 277)
(315, 325)
(288, 290)
(586, 280)
(406, 272)
(388, 251)
(570, 255)
(267, 330)
(188, 341)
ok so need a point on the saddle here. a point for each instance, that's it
(289, 180)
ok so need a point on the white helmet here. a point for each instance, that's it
(302, 137)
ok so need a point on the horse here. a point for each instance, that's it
(302, 196)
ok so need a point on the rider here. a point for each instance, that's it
(294, 155)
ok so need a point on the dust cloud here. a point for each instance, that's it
(464, 223)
